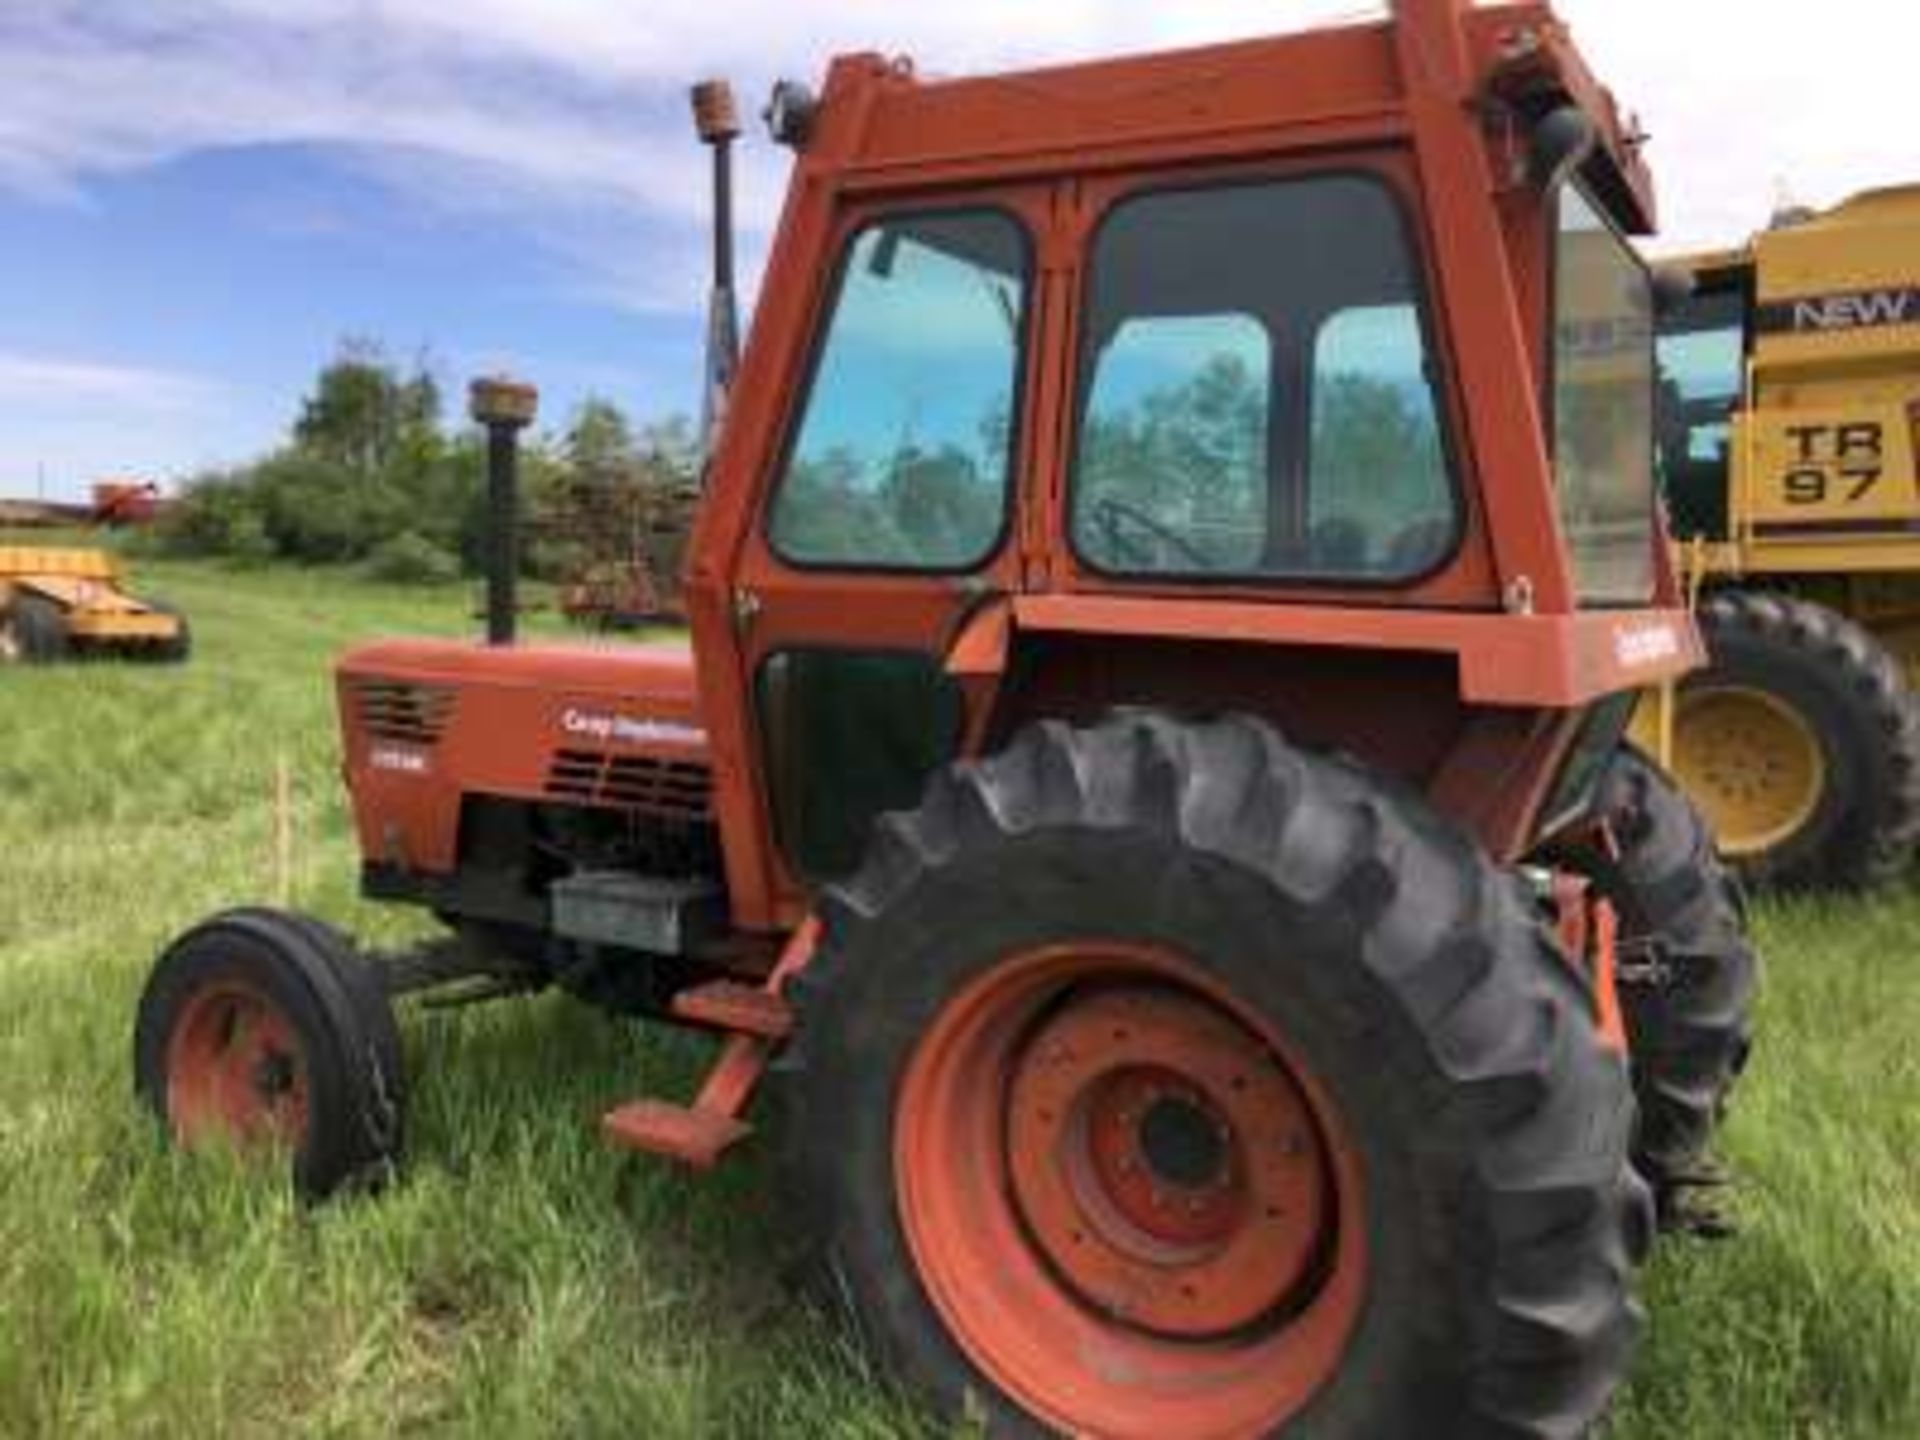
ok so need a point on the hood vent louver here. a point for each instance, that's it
(682, 789)
(402, 712)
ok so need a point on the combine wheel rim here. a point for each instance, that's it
(1752, 762)
(1116, 1182)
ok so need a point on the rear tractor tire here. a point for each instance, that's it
(261, 1029)
(1801, 745)
(1162, 1080)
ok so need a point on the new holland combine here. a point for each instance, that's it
(1790, 426)
(1144, 784)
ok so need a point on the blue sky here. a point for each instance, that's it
(199, 198)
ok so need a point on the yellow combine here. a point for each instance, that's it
(60, 603)
(1790, 420)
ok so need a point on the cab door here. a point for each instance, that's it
(889, 515)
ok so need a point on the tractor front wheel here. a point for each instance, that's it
(1158, 1079)
(265, 1029)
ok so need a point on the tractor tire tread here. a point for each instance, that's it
(1689, 1022)
(1536, 1111)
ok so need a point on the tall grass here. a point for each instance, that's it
(521, 1278)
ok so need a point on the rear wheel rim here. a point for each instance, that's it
(236, 1071)
(1133, 1208)
(1752, 763)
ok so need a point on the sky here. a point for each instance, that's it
(199, 199)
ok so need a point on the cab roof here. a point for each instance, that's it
(884, 124)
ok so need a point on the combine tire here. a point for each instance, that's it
(39, 630)
(1161, 1080)
(1687, 972)
(260, 1027)
(1801, 745)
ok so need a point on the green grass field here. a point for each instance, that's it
(521, 1279)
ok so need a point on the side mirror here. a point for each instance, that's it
(790, 114)
(1562, 141)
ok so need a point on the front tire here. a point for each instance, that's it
(1161, 1080)
(262, 1028)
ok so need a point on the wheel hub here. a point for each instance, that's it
(1165, 1164)
(1184, 1143)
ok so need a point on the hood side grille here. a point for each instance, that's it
(682, 789)
(403, 712)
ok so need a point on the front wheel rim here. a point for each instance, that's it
(236, 1071)
(1132, 1206)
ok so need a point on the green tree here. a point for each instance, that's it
(365, 415)
(599, 446)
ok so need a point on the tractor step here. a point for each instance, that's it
(739, 1009)
(754, 1020)
(686, 1133)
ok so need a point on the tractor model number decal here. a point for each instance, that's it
(1833, 464)
(1854, 310)
(603, 725)
(399, 759)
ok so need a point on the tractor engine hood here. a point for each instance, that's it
(426, 724)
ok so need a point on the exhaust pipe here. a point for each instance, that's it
(505, 407)
(717, 119)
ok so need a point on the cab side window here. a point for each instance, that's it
(1257, 396)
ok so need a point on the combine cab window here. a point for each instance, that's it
(1703, 350)
(1603, 388)
(904, 449)
(1256, 401)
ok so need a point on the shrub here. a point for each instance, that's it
(411, 559)
(219, 514)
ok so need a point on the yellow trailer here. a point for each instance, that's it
(1790, 419)
(55, 603)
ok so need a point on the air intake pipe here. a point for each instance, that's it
(505, 407)
(717, 119)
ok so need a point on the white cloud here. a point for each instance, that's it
(560, 117)
(74, 420)
(566, 118)
(36, 380)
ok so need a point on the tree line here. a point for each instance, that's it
(373, 472)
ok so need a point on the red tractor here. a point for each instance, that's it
(1145, 781)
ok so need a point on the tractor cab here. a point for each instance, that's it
(1177, 558)
(1065, 394)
